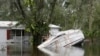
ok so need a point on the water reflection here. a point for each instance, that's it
(63, 51)
(92, 49)
(15, 49)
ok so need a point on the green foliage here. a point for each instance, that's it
(37, 14)
(81, 14)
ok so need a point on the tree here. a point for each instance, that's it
(35, 15)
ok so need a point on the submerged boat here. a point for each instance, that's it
(64, 38)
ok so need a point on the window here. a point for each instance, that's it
(16, 32)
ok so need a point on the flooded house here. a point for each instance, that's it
(9, 32)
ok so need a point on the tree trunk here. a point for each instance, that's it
(37, 39)
(91, 18)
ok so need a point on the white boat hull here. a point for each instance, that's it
(63, 38)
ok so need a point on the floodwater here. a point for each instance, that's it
(88, 49)
(16, 49)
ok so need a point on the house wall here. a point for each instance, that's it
(7, 34)
(3, 35)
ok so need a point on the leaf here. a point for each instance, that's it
(32, 25)
(28, 29)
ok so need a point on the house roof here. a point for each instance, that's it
(8, 23)
(53, 26)
(11, 24)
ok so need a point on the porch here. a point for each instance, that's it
(18, 35)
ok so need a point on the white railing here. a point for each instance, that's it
(19, 38)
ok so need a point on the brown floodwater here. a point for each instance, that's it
(16, 49)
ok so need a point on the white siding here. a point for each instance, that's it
(3, 35)
(53, 31)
